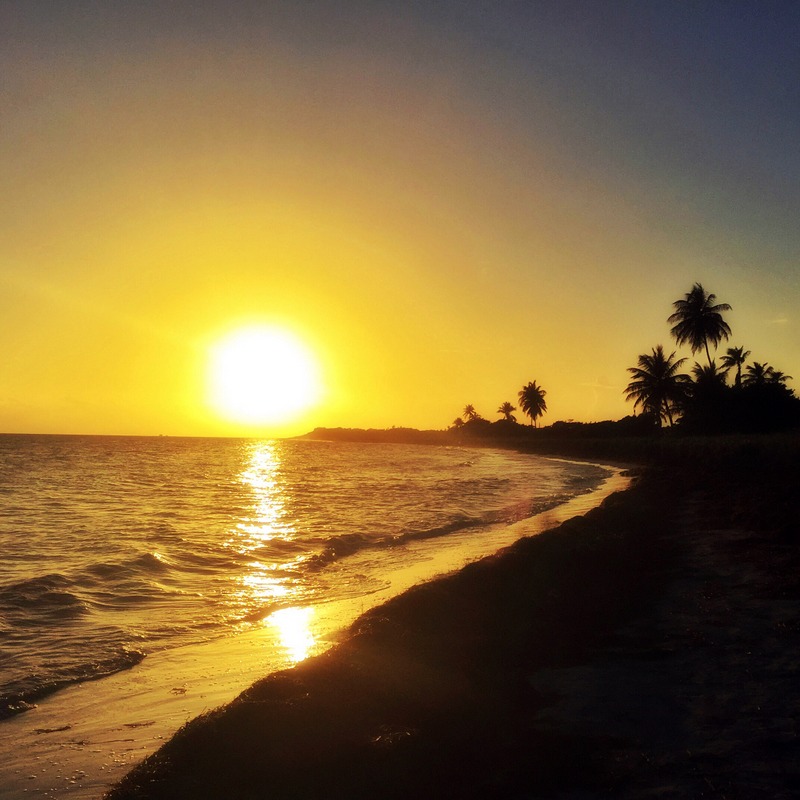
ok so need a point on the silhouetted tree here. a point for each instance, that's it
(707, 408)
(532, 402)
(470, 413)
(698, 321)
(776, 376)
(658, 386)
(757, 374)
(507, 410)
(767, 406)
(735, 357)
(458, 423)
(708, 375)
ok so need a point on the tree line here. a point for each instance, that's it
(730, 397)
(734, 395)
(531, 403)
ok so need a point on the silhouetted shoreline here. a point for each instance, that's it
(649, 646)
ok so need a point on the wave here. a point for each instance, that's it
(46, 596)
(31, 587)
(337, 547)
(346, 544)
(142, 564)
(22, 695)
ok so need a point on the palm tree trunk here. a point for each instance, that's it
(708, 354)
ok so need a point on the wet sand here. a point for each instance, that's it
(646, 649)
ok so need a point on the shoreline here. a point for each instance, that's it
(646, 648)
(80, 740)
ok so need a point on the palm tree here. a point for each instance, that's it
(757, 374)
(458, 423)
(735, 357)
(698, 321)
(506, 409)
(708, 376)
(657, 385)
(470, 413)
(776, 376)
(532, 402)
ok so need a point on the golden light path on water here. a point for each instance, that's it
(267, 522)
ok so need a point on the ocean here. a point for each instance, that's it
(115, 548)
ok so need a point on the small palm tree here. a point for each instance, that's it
(470, 413)
(658, 386)
(458, 423)
(776, 376)
(698, 321)
(532, 402)
(757, 374)
(507, 410)
(735, 357)
(708, 376)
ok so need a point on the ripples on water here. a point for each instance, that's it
(116, 546)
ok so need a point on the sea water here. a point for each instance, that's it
(114, 548)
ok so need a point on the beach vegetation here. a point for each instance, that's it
(697, 320)
(707, 377)
(469, 413)
(707, 401)
(735, 357)
(507, 410)
(532, 402)
(658, 385)
(758, 374)
(776, 376)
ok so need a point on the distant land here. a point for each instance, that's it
(628, 441)
(481, 431)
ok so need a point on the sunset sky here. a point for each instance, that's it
(439, 201)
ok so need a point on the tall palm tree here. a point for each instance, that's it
(470, 413)
(698, 321)
(506, 409)
(532, 402)
(735, 357)
(658, 386)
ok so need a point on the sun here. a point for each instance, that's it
(262, 375)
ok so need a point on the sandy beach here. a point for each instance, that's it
(648, 648)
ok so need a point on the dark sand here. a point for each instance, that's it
(648, 649)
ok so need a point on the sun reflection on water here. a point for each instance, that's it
(260, 585)
(266, 521)
(294, 630)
